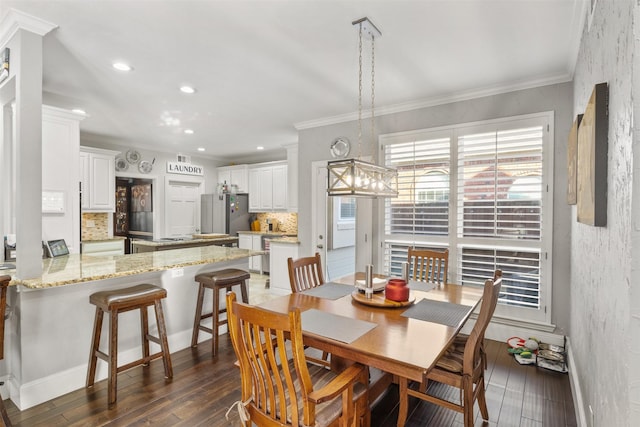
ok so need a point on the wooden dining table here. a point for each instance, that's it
(399, 345)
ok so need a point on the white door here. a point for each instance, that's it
(333, 237)
(183, 208)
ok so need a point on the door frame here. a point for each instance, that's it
(315, 220)
(185, 179)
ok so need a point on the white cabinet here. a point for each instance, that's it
(252, 242)
(268, 188)
(279, 271)
(98, 179)
(237, 176)
(292, 182)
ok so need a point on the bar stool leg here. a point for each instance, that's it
(198, 316)
(243, 290)
(113, 357)
(144, 329)
(214, 317)
(95, 343)
(164, 343)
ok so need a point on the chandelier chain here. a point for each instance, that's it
(373, 94)
(360, 91)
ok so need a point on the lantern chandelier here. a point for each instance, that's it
(354, 177)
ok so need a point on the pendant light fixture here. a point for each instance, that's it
(354, 177)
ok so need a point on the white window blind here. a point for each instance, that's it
(479, 190)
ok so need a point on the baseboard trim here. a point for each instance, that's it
(576, 390)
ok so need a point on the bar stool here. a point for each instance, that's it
(4, 283)
(216, 280)
(119, 301)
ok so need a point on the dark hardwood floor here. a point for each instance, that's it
(203, 389)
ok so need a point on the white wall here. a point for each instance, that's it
(314, 144)
(604, 261)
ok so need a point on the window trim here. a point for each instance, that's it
(543, 315)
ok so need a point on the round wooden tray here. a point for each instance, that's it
(379, 300)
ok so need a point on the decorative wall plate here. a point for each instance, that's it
(145, 166)
(133, 156)
(340, 147)
(121, 164)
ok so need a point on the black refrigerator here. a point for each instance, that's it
(133, 217)
(224, 213)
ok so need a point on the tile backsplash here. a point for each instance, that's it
(99, 229)
(286, 222)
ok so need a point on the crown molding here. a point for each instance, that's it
(437, 100)
(15, 20)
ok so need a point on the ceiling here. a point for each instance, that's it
(263, 68)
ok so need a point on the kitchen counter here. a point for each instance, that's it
(289, 240)
(110, 239)
(139, 246)
(75, 268)
(50, 324)
(267, 233)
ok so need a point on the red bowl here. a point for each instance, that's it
(397, 282)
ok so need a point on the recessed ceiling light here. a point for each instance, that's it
(187, 89)
(188, 131)
(260, 148)
(121, 66)
(200, 148)
(79, 111)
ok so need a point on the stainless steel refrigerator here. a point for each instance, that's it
(224, 213)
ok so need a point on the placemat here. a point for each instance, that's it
(339, 328)
(421, 286)
(330, 290)
(441, 312)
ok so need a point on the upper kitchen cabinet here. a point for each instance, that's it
(268, 187)
(235, 176)
(98, 179)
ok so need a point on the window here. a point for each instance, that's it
(479, 190)
(347, 211)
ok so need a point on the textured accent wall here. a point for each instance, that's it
(100, 230)
(287, 222)
(604, 332)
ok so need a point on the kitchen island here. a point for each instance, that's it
(48, 332)
(139, 246)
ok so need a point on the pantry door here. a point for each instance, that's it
(183, 207)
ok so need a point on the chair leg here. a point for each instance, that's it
(164, 343)
(467, 405)
(482, 401)
(198, 316)
(403, 406)
(4, 417)
(95, 343)
(113, 357)
(144, 330)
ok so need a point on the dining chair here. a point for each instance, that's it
(464, 371)
(428, 265)
(305, 273)
(460, 340)
(278, 387)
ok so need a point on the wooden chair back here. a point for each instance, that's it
(472, 351)
(305, 273)
(276, 390)
(426, 265)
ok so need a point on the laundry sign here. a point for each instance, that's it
(184, 168)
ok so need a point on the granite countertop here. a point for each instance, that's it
(292, 240)
(169, 242)
(76, 268)
(268, 233)
(110, 239)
